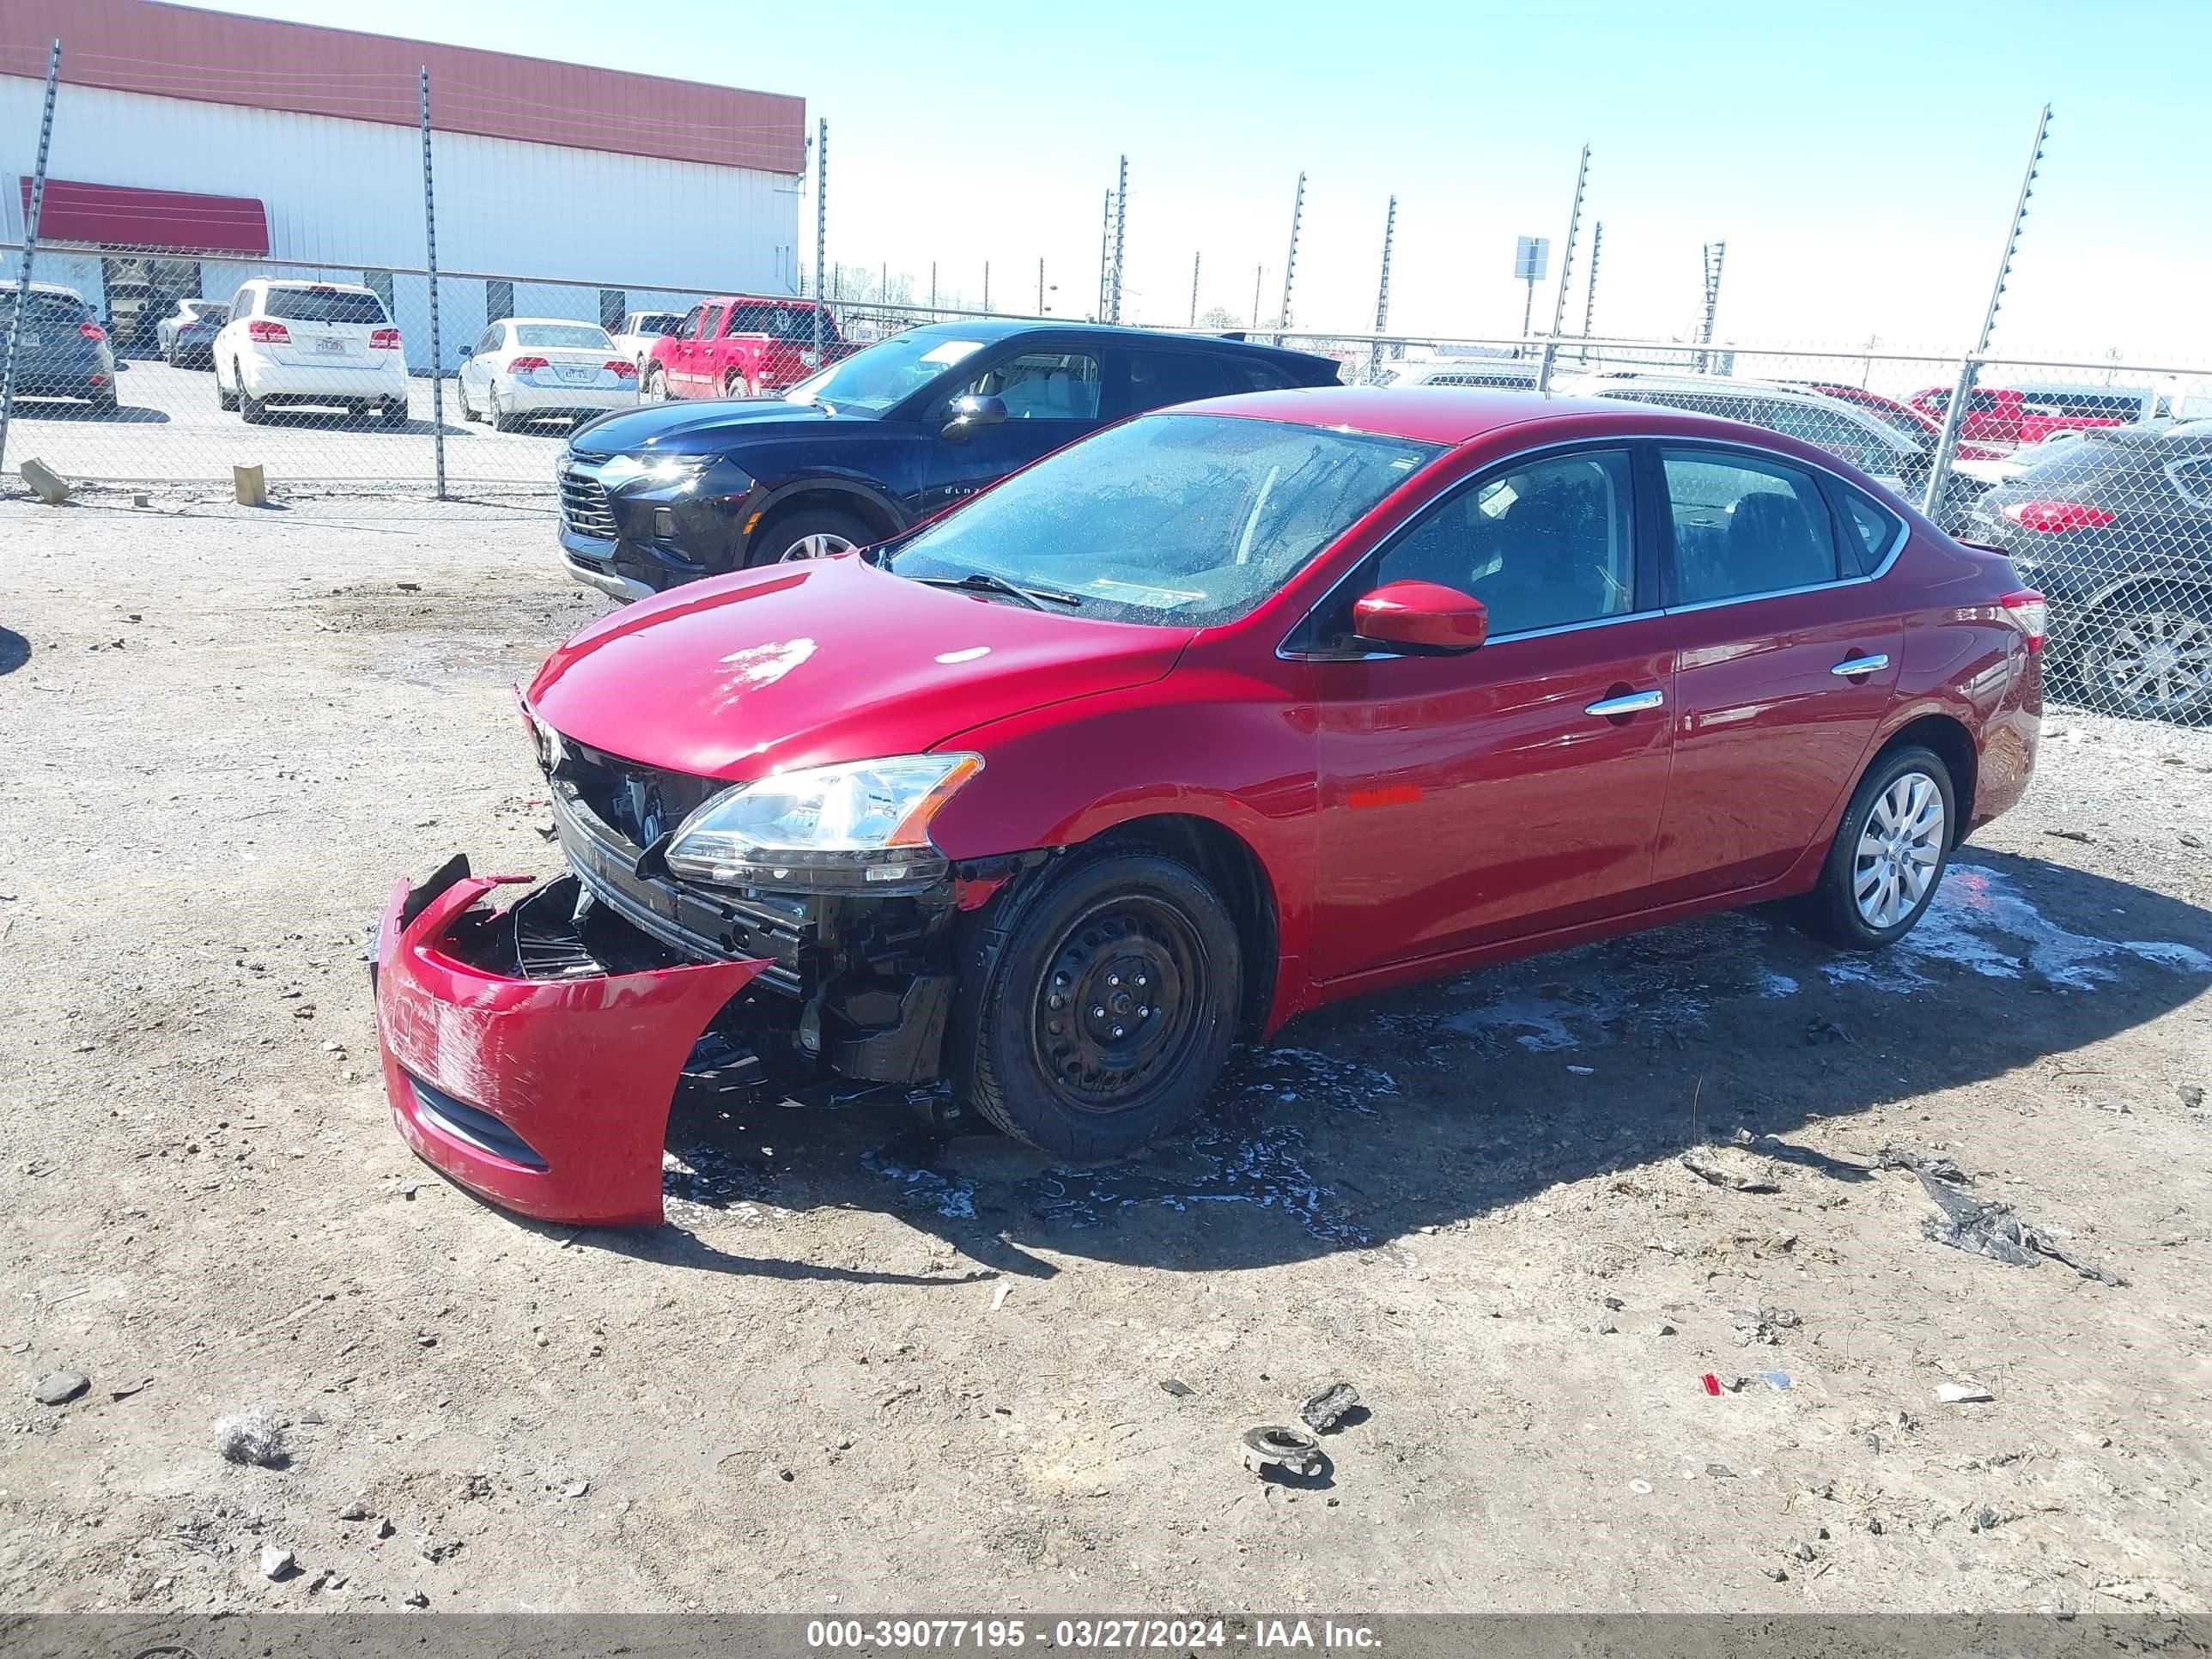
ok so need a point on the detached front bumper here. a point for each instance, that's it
(550, 1094)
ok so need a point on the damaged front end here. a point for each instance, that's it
(533, 1057)
(533, 1054)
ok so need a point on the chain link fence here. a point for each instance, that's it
(169, 364)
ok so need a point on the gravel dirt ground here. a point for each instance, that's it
(866, 1367)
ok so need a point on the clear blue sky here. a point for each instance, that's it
(1860, 161)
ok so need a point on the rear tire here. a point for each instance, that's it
(501, 420)
(225, 400)
(736, 385)
(815, 532)
(656, 386)
(250, 408)
(1897, 834)
(2148, 660)
(394, 412)
(1108, 1016)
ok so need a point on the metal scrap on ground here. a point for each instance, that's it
(1985, 1226)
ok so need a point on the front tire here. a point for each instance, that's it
(1889, 854)
(1109, 1014)
(815, 533)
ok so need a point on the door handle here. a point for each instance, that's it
(1634, 703)
(1861, 665)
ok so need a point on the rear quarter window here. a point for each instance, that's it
(1253, 375)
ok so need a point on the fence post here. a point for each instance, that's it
(1939, 472)
(431, 262)
(821, 226)
(30, 247)
(1566, 271)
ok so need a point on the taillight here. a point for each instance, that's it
(2025, 610)
(385, 339)
(621, 368)
(2055, 517)
(527, 365)
(262, 332)
(92, 331)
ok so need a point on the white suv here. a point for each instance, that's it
(290, 342)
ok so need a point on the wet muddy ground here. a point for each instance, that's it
(867, 1366)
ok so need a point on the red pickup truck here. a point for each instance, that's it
(2007, 415)
(741, 346)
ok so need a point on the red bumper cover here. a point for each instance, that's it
(548, 1096)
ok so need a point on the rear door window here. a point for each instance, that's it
(1157, 378)
(1253, 375)
(324, 305)
(1744, 527)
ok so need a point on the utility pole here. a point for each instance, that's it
(17, 320)
(1121, 230)
(1040, 285)
(821, 229)
(1970, 368)
(987, 287)
(1258, 271)
(1193, 289)
(430, 266)
(1715, 253)
(933, 284)
(1566, 272)
(1383, 291)
(1291, 262)
(1590, 302)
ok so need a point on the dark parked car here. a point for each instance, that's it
(61, 352)
(186, 335)
(1219, 716)
(2116, 528)
(665, 495)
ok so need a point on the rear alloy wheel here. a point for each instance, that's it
(2150, 663)
(1109, 1012)
(816, 533)
(735, 385)
(1889, 854)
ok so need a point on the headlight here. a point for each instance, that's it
(861, 825)
(622, 470)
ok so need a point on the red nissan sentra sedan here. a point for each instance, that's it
(1223, 714)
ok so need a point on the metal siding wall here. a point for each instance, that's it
(349, 193)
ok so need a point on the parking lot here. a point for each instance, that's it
(169, 428)
(864, 1365)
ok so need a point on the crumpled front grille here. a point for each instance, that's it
(645, 803)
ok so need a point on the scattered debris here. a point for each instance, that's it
(1821, 1029)
(59, 1388)
(1607, 1328)
(277, 1564)
(1280, 1447)
(2192, 1094)
(2188, 839)
(249, 485)
(1778, 1381)
(416, 1599)
(1712, 1384)
(385, 1529)
(1177, 1386)
(1987, 1227)
(408, 587)
(1731, 1167)
(251, 1437)
(355, 1510)
(2081, 835)
(1776, 1573)
(1659, 1328)
(1325, 1410)
(1584, 1071)
(577, 1489)
(1963, 1393)
(999, 1296)
(48, 485)
(127, 1389)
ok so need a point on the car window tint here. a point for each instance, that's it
(709, 330)
(1875, 525)
(324, 305)
(2193, 478)
(1743, 527)
(1541, 545)
(1157, 378)
(1249, 374)
(1838, 434)
(689, 326)
(57, 312)
(1043, 385)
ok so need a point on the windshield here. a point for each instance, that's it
(1182, 520)
(324, 305)
(581, 336)
(871, 381)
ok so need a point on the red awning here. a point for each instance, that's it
(123, 215)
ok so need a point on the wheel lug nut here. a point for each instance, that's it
(1097, 1013)
(1059, 1002)
(1113, 979)
(1117, 1030)
(1144, 1013)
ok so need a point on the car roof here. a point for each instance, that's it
(309, 283)
(993, 330)
(561, 322)
(1422, 413)
(49, 288)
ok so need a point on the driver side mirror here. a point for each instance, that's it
(1421, 619)
(970, 412)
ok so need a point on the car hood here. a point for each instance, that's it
(831, 659)
(685, 428)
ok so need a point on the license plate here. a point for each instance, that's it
(34, 340)
(330, 348)
(579, 376)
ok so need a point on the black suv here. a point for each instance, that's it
(668, 493)
(2115, 529)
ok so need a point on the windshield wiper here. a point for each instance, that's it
(983, 581)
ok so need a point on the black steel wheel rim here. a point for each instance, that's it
(1120, 1004)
